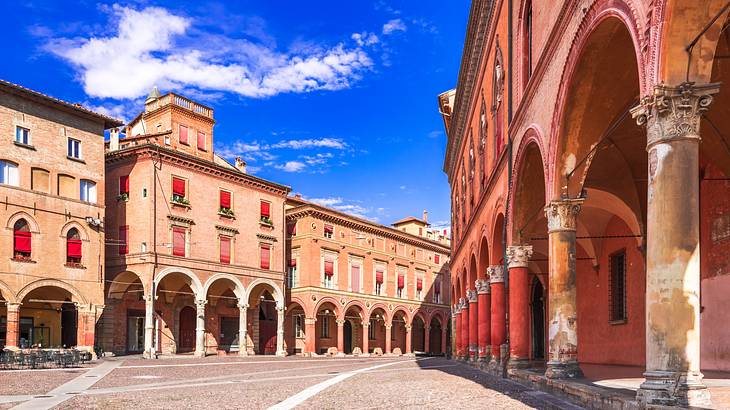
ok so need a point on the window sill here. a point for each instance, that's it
(122, 198)
(74, 266)
(618, 322)
(180, 204)
(26, 146)
(23, 260)
(227, 216)
(79, 160)
(266, 224)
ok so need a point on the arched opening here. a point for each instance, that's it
(73, 248)
(398, 332)
(22, 245)
(326, 331)
(347, 334)
(537, 316)
(222, 316)
(418, 335)
(295, 320)
(434, 336)
(353, 329)
(266, 315)
(176, 313)
(497, 257)
(376, 329)
(125, 304)
(48, 318)
(187, 330)
(264, 301)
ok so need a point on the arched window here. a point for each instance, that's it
(483, 142)
(497, 103)
(527, 42)
(9, 173)
(73, 247)
(21, 240)
(87, 190)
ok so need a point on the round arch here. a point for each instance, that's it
(295, 300)
(77, 297)
(278, 295)
(327, 299)
(6, 293)
(406, 314)
(383, 308)
(197, 285)
(239, 290)
(359, 304)
(122, 281)
(437, 314)
(73, 224)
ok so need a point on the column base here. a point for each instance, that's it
(199, 354)
(243, 352)
(563, 370)
(518, 363)
(684, 389)
(281, 353)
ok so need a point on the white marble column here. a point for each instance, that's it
(200, 328)
(149, 326)
(243, 329)
(280, 330)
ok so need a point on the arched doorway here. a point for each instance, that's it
(354, 328)
(326, 331)
(435, 336)
(175, 311)
(48, 318)
(222, 315)
(348, 337)
(377, 330)
(537, 303)
(398, 331)
(418, 335)
(267, 316)
(124, 304)
(187, 330)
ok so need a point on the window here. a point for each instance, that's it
(371, 329)
(226, 203)
(291, 229)
(21, 240)
(183, 134)
(329, 272)
(420, 231)
(329, 231)
(9, 173)
(266, 212)
(66, 186)
(528, 42)
(87, 191)
(419, 287)
(124, 239)
(497, 106)
(298, 326)
(355, 278)
(265, 256)
(437, 259)
(292, 279)
(179, 190)
(325, 327)
(124, 185)
(167, 140)
(178, 241)
(617, 287)
(201, 140)
(436, 291)
(225, 252)
(22, 135)
(74, 148)
(73, 247)
(379, 273)
(40, 180)
(401, 284)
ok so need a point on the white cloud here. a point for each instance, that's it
(393, 25)
(292, 166)
(334, 143)
(435, 134)
(155, 47)
(365, 38)
(347, 206)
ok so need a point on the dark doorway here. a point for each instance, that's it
(228, 333)
(68, 324)
(135, 331)
(348, 337)
(434, 342)
(187, 330)
(538, 321)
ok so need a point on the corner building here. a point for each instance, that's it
(588, 161)
(357, 287)
(195, 261)
(51, 189)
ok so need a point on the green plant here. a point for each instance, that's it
(226, 211)
(124, 196)
(266, 220)
(180, 200)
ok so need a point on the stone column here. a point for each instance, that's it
(443, 339)
(242, 329)
(85, 328)
(498, 331)
(13, 326)
(464, 328)
(149, 326)
(473, 323)
(427, 339)
(388, 335)
(365, 337)
(310, 334)
(484, 299)
(672, 117)
(518, 257)
(280, 330)
(341, 336)
(456, 316)
(408, 339)
(562, 312)
(200, 328)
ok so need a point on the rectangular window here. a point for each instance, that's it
(124, 185)
(225, 245)
(379, 273)
(124, 239)
(329, 273)
(355, 278)
(299, 326)
(265, 256)
(291, 229)
(225, 200)
(201, 140)
(437, 259)
(9, 173)
(401, 284)
(178, 189)
(266, 211)
(292, 282)
(183, 134)
(437, 291)
(325, 327)
(22, 135)
(74, 148)
(66, 186)
(178, 241)
(87, 191)
(371, 329)
(419, 288)
(329, 231)
(617, 287)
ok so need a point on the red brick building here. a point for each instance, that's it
(196, 257)
(361, 287)
(598, 240)
(52, 254)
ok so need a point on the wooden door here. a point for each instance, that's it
(187, 330)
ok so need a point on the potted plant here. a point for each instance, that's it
(227, 212)
(124, 196)
(180, 200)
(266, 221)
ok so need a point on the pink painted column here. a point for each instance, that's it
(518, 258)
(388, 336)
(310, 331)
(340, 336)
(408, 339)
(496, 280)
(483, 296)
(365, 341)
(12, 329)
(464, 328)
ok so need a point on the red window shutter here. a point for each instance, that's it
(328, 229)
(225, 199)
(355, 278)
(401, 281)
(124, 239)
(201, 140)
(225, 249)
(437, 287)
(292, 229)
(329, 268)
(379, 276)
(265, 209)
(178, 241)
(265, 256)
(436, 259)
(293, 263)
(183, 134)
(420, 231)
(73, 248)
(178, 186)
(124, 184)
(419, 284)
(22, 241)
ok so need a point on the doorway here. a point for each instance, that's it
(68, 324)
(135, 331)
(187, 330)
(348, 337)
(538, 320)
(228, 333)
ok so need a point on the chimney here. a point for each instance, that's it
(240, 164)
(425, 215)
(114, 139)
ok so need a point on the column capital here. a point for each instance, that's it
(562, 215)
(149, 298)
(280, 309)
(471, 295)
(13, 305)
(200, 304)
(388, 325)
(518, 256)
(674, 113)
(340, 322)
(310, 320)
(243, 306)
(408, 328)
(483, 286)
(496, 274)
(464, 304)
(365, 324)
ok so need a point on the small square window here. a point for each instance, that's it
(74, 148)
(167, 140)
(22, 135)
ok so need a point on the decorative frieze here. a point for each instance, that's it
(562, 215)
(482, 286)
(496, 274)
(518, 256)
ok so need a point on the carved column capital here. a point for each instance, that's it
(310, 320)
(483, 286)
(200, 304)
(340, 322)
(365, 324)
(496, 274)
(562, 215)
(15, 306)
(463, 304)
(673, 113)
(243, 306)
(518, 256)
(455, 309)
(388, 325)
(408, 328)
(471, 295)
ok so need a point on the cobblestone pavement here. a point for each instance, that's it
(262, 382)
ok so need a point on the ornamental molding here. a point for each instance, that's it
(471, 295)
(268, 238)
(674, 113)
(482, 286)
(518, 256)
(228, 230)
(496, 274)
(181, 220)
(562, 215)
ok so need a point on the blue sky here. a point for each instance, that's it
(336, 99)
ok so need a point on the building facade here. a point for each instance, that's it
(52, 258)
(364, 288)
(195, 261)
(588, 162)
